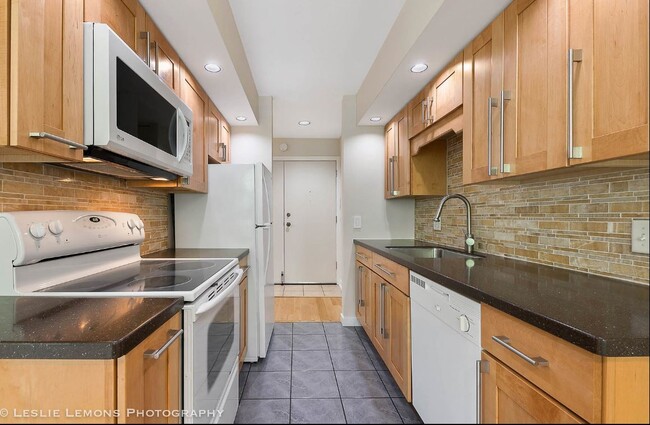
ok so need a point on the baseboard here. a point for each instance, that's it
(349, 321)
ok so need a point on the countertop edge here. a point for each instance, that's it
(240, 253)
(622, 347)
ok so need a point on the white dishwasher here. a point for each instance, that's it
(446, 338)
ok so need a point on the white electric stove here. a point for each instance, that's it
(97, 254)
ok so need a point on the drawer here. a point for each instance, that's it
(364, 256)
(573, 376)
(391, 272)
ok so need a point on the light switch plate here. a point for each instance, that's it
(356, 222)
(640, 235)
(437, 225)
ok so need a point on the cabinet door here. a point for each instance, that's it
(417, 113)
(509, 398)
(213, 125)
(163, 59)
(147, 383)
(610, 84)
(360, 309)
(125, 17)
(390, 138)
(243, 319)
(45, 70)
(224, 140)
(534, 81)
(379, 334)
(369, 306)
(482, 81)
(192, 94)
(398, 329)
(447, 90)
(403, 150)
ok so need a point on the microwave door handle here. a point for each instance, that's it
(181, 133)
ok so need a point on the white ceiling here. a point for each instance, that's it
(309, 54)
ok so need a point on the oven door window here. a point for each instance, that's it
(142, 112)
(216, 346)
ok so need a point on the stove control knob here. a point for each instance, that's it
(131, 223)
(37, 230)
(464, 323)
(56, 227)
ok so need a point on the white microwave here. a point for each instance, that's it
(135, 126)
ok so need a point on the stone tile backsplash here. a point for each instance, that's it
(577, 222)
(47, 187)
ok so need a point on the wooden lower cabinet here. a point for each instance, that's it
(364, 304)
(379, 337)
(507, 397)
(132, 381)
(243, 320)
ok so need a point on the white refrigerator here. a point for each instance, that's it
(236, 213)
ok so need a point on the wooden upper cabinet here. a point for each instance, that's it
(398, 157)
(447, 90)
(610, 83)
(212, 137)
(224, 140)
(194, 96)
(417, 113)
(41, 74)
(482, 75)
(533, 96)
(163, 59)
(126, 18)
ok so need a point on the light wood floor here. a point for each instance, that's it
(307, 309)
(307, 291)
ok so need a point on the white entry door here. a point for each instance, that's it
(309, 221)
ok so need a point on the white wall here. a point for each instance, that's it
(250, 144)
(362, 169)
(306, 147)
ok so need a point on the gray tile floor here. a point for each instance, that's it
(321, 373)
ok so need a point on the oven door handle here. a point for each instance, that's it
(220, 297)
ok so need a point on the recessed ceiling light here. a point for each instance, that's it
(212, 67)
(419, 67)
(303, 123)
(375, 119)
(241, 118)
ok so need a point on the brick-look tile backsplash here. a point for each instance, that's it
(26, 187)
(581, 223)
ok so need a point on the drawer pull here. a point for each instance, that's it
(505, 342)
(385, 270)
(155, 354)
(363, 257)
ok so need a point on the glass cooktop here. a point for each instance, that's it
(149, 276)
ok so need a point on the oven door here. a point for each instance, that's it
(211, 351)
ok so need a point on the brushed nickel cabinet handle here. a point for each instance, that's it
(575, 55)
(492, 103)
(382, 301)
(395, 176)
(155, 354)
(504, 168)
(362, 256)
(385, 270)
(54, 137)
(504, 341)
(359, 277)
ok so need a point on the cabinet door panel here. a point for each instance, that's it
(125, 17)
(380, 300)
(611, 82)
(416, 110)
(224, 140)
(509, 398)
(360, 309)
(193, 95)
(482, 74)
(389, 137)
(369, 319)
(46, 70)
(164, 60)
(399, 337)
(534, 74)
(212, 136)
(448, 89)
(403, 172)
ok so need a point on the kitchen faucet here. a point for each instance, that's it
(469, 238)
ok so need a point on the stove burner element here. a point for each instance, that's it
(160, 281)
(191, 265)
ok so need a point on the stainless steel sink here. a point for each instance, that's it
(432, 252)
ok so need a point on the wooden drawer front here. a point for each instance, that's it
(392, 272)
(364, 256)
(573, 376)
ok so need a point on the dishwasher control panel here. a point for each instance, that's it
(457, 311)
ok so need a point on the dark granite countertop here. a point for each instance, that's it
(605, 316)
(239, 253)
(79, 328)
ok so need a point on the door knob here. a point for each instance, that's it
(288, 224)
(288, 214)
